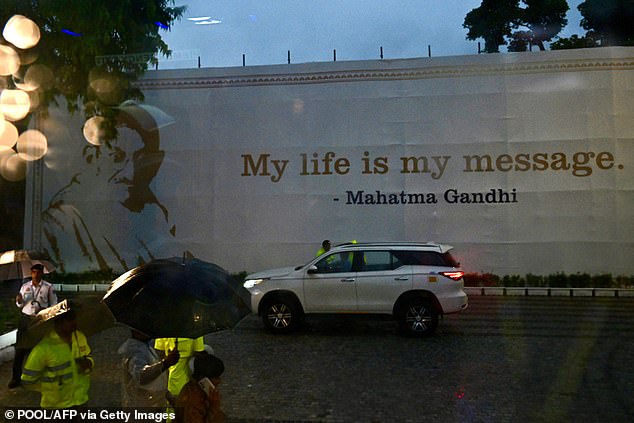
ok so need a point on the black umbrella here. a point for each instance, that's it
(92, 316)
(175, 297)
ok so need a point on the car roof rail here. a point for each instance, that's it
(394, 244)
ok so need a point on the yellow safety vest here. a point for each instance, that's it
(179, 373)
(51, 369)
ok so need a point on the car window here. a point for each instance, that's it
(374, 261)
(335, 263)
(426, 258)
(449, 260)
(405, 257)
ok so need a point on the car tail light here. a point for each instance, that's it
(455, 275)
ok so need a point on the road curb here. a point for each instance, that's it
(470, 290)
(549, 292)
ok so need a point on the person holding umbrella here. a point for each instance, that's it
(59, 366)
(195, 297)
(34, 295)
(144, 379)
(179, 373)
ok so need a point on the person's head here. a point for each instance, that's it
(66, 323)
(135, 158)
(208, 366)
(37, 270)
(326, 244)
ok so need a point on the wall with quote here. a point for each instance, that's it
(523, 162)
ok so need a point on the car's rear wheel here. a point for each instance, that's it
(418, 317)
(281, 314)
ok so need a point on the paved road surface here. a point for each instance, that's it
(506, 359)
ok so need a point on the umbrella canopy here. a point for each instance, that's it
(92, 317)
(176, 297)
(16, 264)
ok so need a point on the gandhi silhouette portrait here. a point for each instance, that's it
(145, 161)
(121, 170)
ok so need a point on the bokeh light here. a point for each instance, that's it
(94, 131)
(12, 167)
(14, 104)
(9, 60)
(32, 145)
(39, 76)
(21, 32)
(34, 77)
(20, 83)
(28, 57)
(35, 98)
(56, 128)
(8, 135)
(106, 86)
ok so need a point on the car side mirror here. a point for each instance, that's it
(312, 270)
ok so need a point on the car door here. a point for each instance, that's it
(381, 278)
(331, 285)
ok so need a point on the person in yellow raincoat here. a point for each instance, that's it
(325, 247)
(179, 374)
(59, 366)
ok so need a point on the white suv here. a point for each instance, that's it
(414, 282)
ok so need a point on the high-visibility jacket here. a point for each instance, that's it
(179, 373)
(51, 369)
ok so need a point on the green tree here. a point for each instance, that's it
(612, 21)
(92, 51)
(543, 19)
(536, 22)
(574, 41)
(521, 41)
(492, 21)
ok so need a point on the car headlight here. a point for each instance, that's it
(250, 283)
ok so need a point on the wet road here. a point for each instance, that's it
(506, 359)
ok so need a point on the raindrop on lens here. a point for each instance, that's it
(9, 60)
(36, 77)
(8, 135)
(40, 76)
(21, 32)
(12, 167)
(32, 145)
(94, 131)
(14, 104)
(105, 85)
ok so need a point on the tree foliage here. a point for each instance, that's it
(93, 50)
(534, 22)
(574, 41)
(544, 19)
(611, 21)
(492, 21)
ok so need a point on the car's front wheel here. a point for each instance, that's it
(418, 317)
(281, 314)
